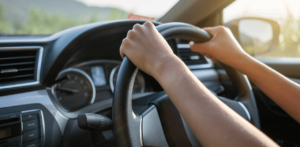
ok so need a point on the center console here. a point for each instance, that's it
(22, 129)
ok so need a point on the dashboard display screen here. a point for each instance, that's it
(98, 75)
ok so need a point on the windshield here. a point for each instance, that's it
(45, 17)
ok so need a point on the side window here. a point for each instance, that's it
(285, 12)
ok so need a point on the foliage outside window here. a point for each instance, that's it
(285, 12)
(46, 17)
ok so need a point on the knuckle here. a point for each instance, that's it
(137, 27)
(125, 42)
(221, 28)
(131, 33)
(148, 24)
(121, 50)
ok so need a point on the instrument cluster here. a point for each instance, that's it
(90, 82)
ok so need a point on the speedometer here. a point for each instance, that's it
(74, 89)
(139, 82)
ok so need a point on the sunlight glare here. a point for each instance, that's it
(150, 8)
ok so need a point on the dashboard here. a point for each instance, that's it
(55, 78)
(89, 82)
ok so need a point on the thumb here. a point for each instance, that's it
(198, 47)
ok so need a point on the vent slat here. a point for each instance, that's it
(21, 57)
(20, 76)
(25, 69)
(17, 65)
(189, 57)
(20, 63)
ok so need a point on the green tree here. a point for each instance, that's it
(41, 23)
(289, 44)
(116, 14)
(5, 26)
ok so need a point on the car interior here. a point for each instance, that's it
(72, 88)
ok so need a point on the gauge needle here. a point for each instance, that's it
(67, 89)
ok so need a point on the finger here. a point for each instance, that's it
(124, 46)
(210, 30)
(191, 44)
(122, 53)
(130, 34)
(149, 25)
(199, 47)
(137, 27)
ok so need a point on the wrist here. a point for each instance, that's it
(243, 63)
(238, 60)
(168, 69)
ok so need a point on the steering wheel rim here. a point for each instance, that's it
(126, 124)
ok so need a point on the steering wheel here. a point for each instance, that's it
(127, 125)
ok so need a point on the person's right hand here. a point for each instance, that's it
(147, 49)
(222, 47)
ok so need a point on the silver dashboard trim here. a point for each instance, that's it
(141, 131)
(111, 78)
(43, 121)
(209, 63)
(206, 74)
(38, 68)
(95, 62)
(151, 131)
(246, 110)
(141, 123)
(35, 97)
(22, 129)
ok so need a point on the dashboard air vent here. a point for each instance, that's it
(189, 57)
(19, 66)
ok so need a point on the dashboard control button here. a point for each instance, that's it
(29, 116)
(35, 143)
(31, 124)
(31, 135)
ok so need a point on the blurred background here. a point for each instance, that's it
(285, 12)
(46, 17)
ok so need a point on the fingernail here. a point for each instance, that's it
(192, 43)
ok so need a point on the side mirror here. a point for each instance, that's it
(257, 36)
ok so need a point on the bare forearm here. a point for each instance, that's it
(283, 91)
(207, 116)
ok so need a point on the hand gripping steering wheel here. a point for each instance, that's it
(127, 124)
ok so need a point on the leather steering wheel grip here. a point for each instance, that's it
(126, 123)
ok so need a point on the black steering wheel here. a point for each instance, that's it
(127, 124)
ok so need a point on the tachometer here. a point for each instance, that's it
(139, 82)
(74, 89)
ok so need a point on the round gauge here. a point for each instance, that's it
(74, 89)
(139, 82)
